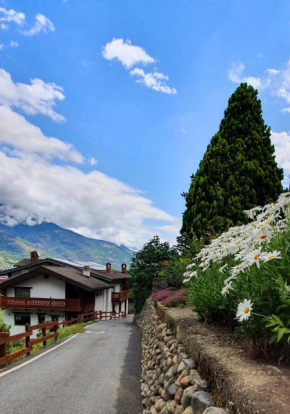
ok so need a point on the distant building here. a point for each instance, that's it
(38, 290)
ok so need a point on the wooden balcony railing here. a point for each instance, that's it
(120, 296)
(40, 303)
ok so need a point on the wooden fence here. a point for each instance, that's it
(47, 330)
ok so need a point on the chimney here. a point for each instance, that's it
(34, 256)
(87, 271)
(108, 267)
(124, 268)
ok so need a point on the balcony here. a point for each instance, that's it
(120, 296)
(51, 304)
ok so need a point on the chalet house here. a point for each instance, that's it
(38, 290)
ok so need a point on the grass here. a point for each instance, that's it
(1, 316)
(62, 334)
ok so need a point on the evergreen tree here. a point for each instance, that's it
(238, 170)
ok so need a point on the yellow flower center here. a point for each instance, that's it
(247, 310)
(271, 257)
(256, 257)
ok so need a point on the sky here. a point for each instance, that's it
(107, 107)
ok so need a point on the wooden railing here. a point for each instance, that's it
(6, 338)
(120, 296)
(41, 303)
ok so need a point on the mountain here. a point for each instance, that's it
(51, 240)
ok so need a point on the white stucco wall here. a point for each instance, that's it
(99, 302)
(117, 287)
(42, 288)
(8, 318)
(109, 300)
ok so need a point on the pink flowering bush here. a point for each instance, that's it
(171, 297)
(162, 294)
(176, 299)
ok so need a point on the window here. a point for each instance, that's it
(21, 318)
(41, 317)
(54, 318)
(22, 292)
(99, 293)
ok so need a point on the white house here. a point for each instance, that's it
(52, 289)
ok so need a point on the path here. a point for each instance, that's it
(97, 372)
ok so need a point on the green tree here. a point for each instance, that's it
(146, 265)
(238, 170)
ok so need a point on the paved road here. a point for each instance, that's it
(97, 372)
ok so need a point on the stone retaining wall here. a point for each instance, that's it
(170, 383)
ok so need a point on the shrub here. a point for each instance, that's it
(243, 279)
(173, 272)
(176, 299)
(146, 265)
(162, 294)
(171, 297)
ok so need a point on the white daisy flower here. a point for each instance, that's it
(253, 257)
(221, 269)
(268, 256)
(227, 288)
(244, 310)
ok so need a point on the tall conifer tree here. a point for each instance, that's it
(238, 170)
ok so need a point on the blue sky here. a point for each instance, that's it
(128, 97)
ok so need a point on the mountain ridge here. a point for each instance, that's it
(52, 240)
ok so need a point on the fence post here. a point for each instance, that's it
(2, 346)
(44, 334)
(55, 330)
(27, 338)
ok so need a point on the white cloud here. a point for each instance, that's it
(275, 81)
(11, 216)
(37, 98)
(129, 56)
(26, 138)
(92, 204)
(4, 26)
(92, 161)
(235, 72)
(281, 141)
(272, 71)
(13, 44)
(235, 75)
(42, 24)
(153, 80)
(126, 53)
(11, 16)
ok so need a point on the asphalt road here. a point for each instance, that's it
(97, 372)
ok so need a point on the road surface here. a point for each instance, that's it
(97, 372)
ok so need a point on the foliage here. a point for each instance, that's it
(162, 294)
(6, 328)
(176, 299)
(173, 272)
(171, 297)
(248, 267)
(238, 170)
(146, 265)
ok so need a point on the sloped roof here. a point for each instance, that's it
(68, 274)
(23, 262)
(113, 276)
